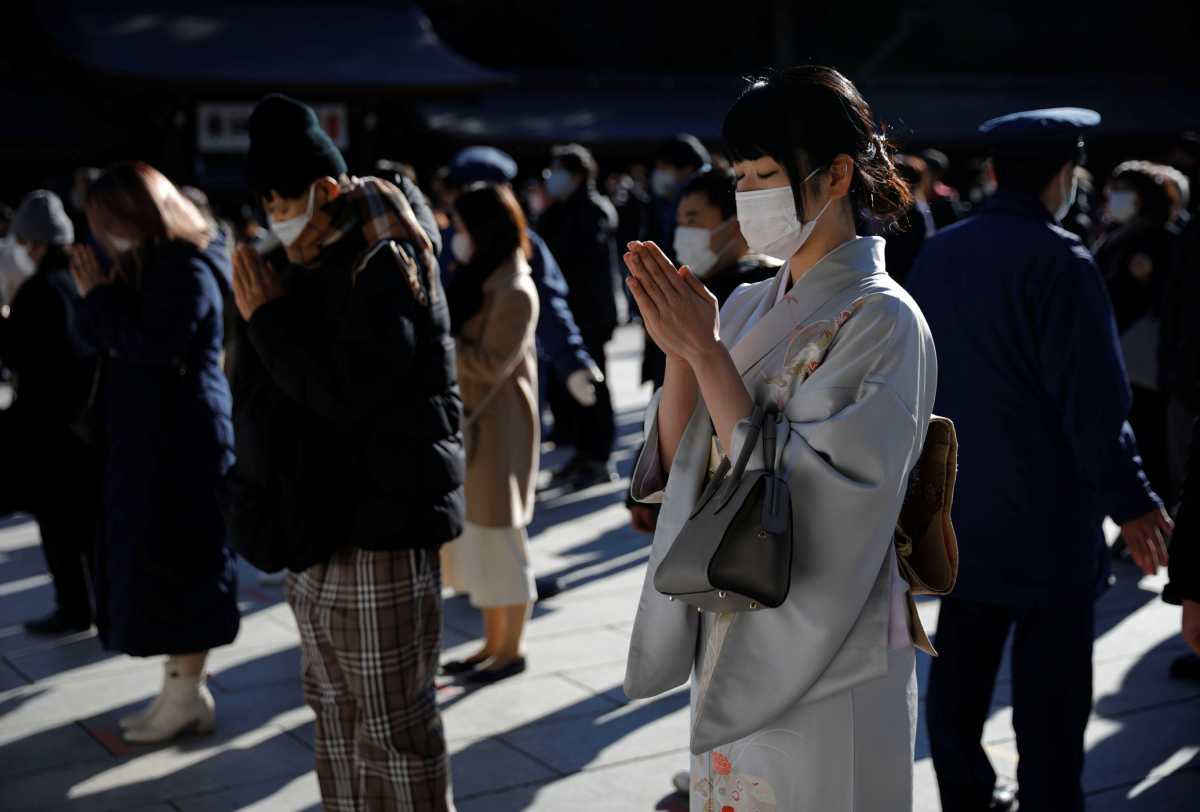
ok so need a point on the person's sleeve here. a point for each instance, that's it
(1130, 493)
(1184, 569)
(1083, 374)
(365, 364)
(509, 330)
(423, 212)
(153, 326)
(557, 334)
(648, 483)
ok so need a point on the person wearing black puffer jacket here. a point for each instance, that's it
(350, 453)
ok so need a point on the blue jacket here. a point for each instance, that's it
(559, 343)
(1032, 375)
(165, 581)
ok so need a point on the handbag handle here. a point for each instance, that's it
(739, 468)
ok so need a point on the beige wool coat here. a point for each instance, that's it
(503, 436)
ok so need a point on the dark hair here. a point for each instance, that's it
(1027, 173)
(496, 226)
(684, 151)
(804, 117)
(1144, 179)
(718, 185)
(576, 159)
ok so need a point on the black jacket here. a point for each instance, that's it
(40, 343)
(347, 410)
(1185, 544)
(1179, 340)
(581, 234)
(54, 371)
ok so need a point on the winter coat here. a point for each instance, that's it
(496, 348)
(1031, 375)
(580, 232)
(165, 581)
(347, 410)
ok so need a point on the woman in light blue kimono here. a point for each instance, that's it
(810, 706)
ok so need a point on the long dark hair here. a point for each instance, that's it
(496, 227)
(145, 205)
(804, 117)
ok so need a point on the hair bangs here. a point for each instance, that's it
(751, 129)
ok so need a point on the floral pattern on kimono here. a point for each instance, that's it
(727, 789)
(808, 344)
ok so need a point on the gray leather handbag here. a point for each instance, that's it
(734, 554)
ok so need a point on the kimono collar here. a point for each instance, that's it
(846, 266)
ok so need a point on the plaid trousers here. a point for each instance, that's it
(370, 627)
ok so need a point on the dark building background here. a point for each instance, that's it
(87, 82)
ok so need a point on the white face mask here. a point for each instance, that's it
(120, 244)
(461, 248)
(663, 183)
(288, 231)
(1122, 206)
(769, 221)
(1068, 201)
(559, 184)
(22, 259)
(693, 248)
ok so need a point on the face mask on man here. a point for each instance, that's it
(288, 231)
(22, 259)
(559, 184)
(693, 248)
(461, 248)
(770, 223)
(1122, 206)
(663, 183)
(1068, 200)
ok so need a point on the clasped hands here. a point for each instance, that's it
(255, 282)
(87, 270)
(680, 315)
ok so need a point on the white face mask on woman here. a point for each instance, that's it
(693, 248)
(288, 231)
(770, 223)
(1122, 206)
(461, 247)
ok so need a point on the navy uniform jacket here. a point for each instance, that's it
(1031, 373)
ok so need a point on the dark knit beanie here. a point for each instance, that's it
(288, 148)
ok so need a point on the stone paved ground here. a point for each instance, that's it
(562, 737)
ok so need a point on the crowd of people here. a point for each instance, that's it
(354, 384)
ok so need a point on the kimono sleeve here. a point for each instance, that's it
(648, 483)
(850, 435)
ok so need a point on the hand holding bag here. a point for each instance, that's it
(734, 554)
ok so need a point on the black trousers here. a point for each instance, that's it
(68, 535)
(591, 430)
(1052, 700)
(50, 474)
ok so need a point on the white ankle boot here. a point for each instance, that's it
(135, 719)
(184, 706)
